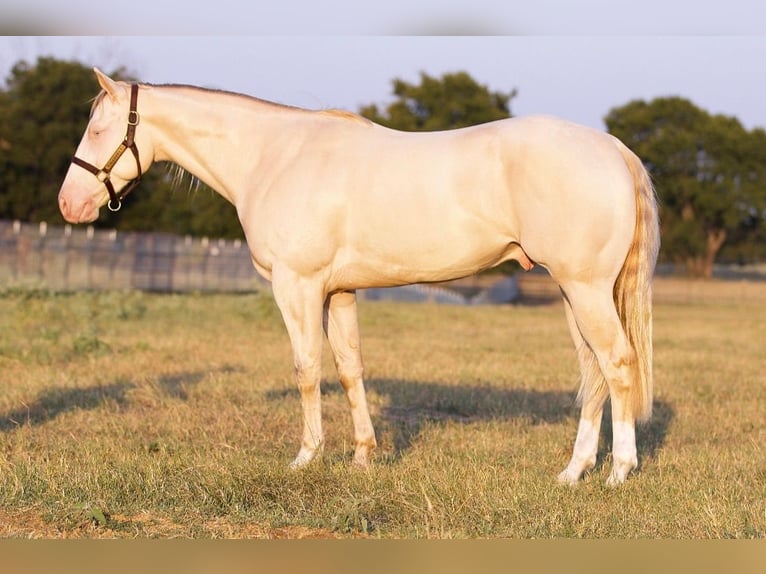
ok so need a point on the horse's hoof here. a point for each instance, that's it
(568, 478)
(305, 456)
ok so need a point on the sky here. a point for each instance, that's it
(574, 63)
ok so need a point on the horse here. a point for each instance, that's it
(331, 202)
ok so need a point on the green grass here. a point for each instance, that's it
(134, 415)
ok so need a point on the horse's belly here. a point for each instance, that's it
(401, 263)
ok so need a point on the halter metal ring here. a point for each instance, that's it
(111, 204)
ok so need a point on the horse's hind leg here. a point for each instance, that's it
(342, 328)
(300, 301)
(593, 393)
(595, 315)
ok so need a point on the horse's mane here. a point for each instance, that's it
(225, 93)
(178, 175)
(332, 112)
(344, 114)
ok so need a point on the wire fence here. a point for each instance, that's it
(83, 258)
(730, 285)
(67, 258)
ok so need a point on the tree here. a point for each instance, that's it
(43, 113)
(709, 172)
(747, 242)
(455, 100)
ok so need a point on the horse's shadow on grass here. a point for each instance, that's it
(412, 405)
(53, 402)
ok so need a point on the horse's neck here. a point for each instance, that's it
(217, 137)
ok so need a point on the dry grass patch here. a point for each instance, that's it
(132, 415)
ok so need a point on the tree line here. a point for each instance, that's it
(709, 171)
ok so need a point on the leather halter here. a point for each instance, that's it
(104, 174)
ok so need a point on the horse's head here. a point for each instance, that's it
(102, 173)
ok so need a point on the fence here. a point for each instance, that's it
(73, 258)
(728, 287)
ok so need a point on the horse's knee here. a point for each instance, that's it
(308, 376)
(350, 377)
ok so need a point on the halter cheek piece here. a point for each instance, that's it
(104, 174)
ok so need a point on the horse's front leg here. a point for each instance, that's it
(342, 328)
(300, 301)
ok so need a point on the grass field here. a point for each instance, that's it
(134, 415)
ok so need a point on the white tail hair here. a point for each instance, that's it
(633, 288)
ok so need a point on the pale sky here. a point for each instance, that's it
(576, 60)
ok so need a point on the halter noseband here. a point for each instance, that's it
(104, 174)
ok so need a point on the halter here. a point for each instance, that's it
(104, 174)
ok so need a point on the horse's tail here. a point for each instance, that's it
(633, 287)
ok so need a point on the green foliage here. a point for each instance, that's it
(92, 514)
(710, 174)
(455, 100)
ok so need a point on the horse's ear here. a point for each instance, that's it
(109, 85)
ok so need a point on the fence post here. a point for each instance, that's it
(41, 250)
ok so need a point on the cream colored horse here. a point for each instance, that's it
(331, 202)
